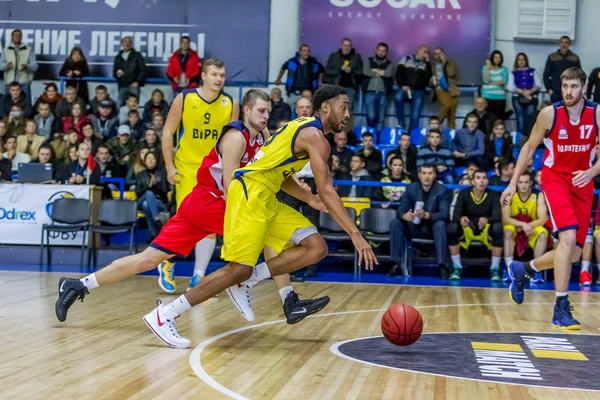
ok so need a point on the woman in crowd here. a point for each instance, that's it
(76, 120)
(137, 167)
(88, 136)
(50, 96)
(393, 193)
(15, 122)
(5, 165)
(498, 144)
(495, 78)
(524, 84)
(76, 67)
(156, 104)
(71, 154)
(151, 188)
(30, 142)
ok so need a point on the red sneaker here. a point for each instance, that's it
(585, 278)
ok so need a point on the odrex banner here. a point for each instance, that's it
(235, 31)
(461, 27)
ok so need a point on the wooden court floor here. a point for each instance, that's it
(104, 350)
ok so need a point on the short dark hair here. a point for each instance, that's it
(185, 37)
(101, 87)
(71, 130)
(471, 115)
(565, 37)
(428, 166)
(102, 146)
(435, 131)
(133, 95)
(479, 171)
(383, 44)
(42, 103)
(47, 147)
(404, 133)
(573, 73)
(131, 112)
(367, 134)
(396, 158)
(434, 118)
(346, 39)
(361, 157)
(253, 94)
(326, 93)
(303, 45)
(14, 84)
(503, 163)
(215, 62)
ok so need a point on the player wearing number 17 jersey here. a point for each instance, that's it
(569, 129)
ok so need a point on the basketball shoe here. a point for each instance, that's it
(519, 278)
(296, 310)
(165, 328)
(563, 318)
(166, 276)
(194, 281)
(240, 296)
(585, 278)
(69, 290)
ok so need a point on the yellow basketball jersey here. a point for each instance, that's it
(524, 207)
(276, 160)
(201, 125)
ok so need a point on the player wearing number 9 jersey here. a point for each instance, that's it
(569, 129)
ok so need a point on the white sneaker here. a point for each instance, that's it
(240, 296)
(165, 328)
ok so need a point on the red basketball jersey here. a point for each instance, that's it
(210, 172)
(571, 146)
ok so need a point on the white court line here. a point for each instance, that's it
(196, 354)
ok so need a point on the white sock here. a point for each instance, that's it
(508, 260)
(585, 266)
(284, 291)
(456, 260)
(176, 307)
(532, 265)
(90, 281)
(204, 252)
(260, 272)
(496, 262)
(560, 294)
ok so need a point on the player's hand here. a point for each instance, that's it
(464, 221)
(172, 175)
(527, 229)
(508, 194)
(582, 178)
(316, 203)
(365, 252)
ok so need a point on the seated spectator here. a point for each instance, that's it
(372, 156)
(135, 125)
(434, 154)
(102, 121)
(76, 120)
(13, 155)
(485, 119)
(122, 148)
(46, 122)
(158, 122)
(151, 189)
(71, 154)
(477, 217)
(88, 137)
(15, 97)
(422, 214)
(76, 67)
(506, 170)
(50, 96)
(392, 193)
(358, 173)
(65, 105)
(15, 122)
(344, 153)
(334, 166)
(45, 155)
(61, 143)
(279, 110)
(537, 182)
(498, 145)
(131, 103)
(5, 166)
(102, 96)
(3, 131)
(468, 176)
(151, 142)
(184, 67)
(104, 161)
(156, 104)
(30, 142)
(408, 153)
(77, 172)
(468, 143)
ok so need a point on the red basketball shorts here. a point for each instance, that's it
(200, 214)
(569, 207)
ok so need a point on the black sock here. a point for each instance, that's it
(559, 298)
(528, 269)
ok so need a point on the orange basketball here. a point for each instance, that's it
(402, 324)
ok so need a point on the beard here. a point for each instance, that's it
(256, 126)
(572, 100)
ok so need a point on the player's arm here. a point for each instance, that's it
(292, 187)
(542, 211)
(232, 148)
(235, 112)
(169, 129)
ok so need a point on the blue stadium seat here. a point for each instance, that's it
(490, 173)
(390, 136)
(384, 155)
(448, 137)
(516, 152)
(360, 129)
(460, 171)
(537, 159)
(516, 137)
(417, 136)
(353, 148)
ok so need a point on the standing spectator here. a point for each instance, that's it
(444, 74)
(485, 119)
(280, 110)
(413, 75)
(593, 87)
(184, 67)
(506, 170)
(30, 142)
(131, 103)
(50, 96)
(15, 122)
(158, 123)
(76, 172)
(156, 104)
(344, 68)
(76, 120)
(524, 83)
(341, 151)
(392, 193)
(13, 155)
(357, 173)
(15, 97)
(5, 165)
(377, 85)
(76, 68)
(556, 64)
(19, 64)
(129, 70)
(498, 144)
(408, 153)
(428, 221)
(151, 189)
(87, 130)
(102, 121)
(468, 143)
(434, 154)
(495, 78)
(64, 106)
(103, 96)
(372, 156)
(46, 122)
(122, 148)
(303, 72)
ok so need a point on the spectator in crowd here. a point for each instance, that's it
(408, 153)
(413, 75)
(184, 67)
(468, 176)
(422, 214)
(129, 70)
(65, 105)
(137, 167)
(45, 155)
(102, 96)
(19, 64)
(537, 181)
(3, 131)
(76, 120)
(498, 144)
(392, 193)
(506, 170)
(104, 162)
(156, 104)
(477, 216)
(372, 156)
(344, 153)
(524, 83)
(469, 143)
(593, 86)
(556, 64)
(303, 108)
(495, 78)
(50, 96)
(13, 155)
(303, 72)
(15, 122)
(158, 123)
(122, 148)
(358, 173)
(77, 172)
(30, 142)
(377, 86)
(76, 67)
(151, 188)
(279, 110)
(15, 97)
(46, 122)
(102, 121)
(151, 142)
(444, 74)
(5, 165)
(87, 129)
(135, 124)
(485, 119)
(62, 142)
(434, 154)
(71, 154)
(130, 104)
(344, 68)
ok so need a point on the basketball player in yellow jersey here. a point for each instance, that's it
(198, 117)
(527, 213)
(254, 218)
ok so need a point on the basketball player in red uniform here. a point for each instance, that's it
(569, 129)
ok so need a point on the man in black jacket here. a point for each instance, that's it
(15, 97)
(408, 153)
(556, 64)
(372, 156)
(422, 214)
(129, 70)
(412, 76)
(280, 111)
(344, 68)
(485, 119)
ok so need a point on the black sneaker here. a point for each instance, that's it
(296, 310)
(69, 290)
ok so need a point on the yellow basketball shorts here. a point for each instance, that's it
(187, 180)
(254, 218)
(532, 240)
